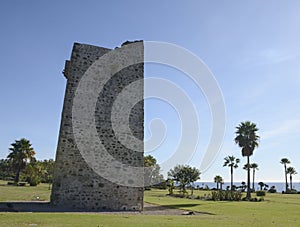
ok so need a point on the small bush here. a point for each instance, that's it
(260, 193)
(253, 199)
(34, 181)
(178, 195)
(11, 183)
(293, 191)
(272, 189)
(226, 196)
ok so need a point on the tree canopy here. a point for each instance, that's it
(152, 175)
(21, 154)
(184, 175)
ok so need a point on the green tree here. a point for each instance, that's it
(184, 175)
(152, 174)
(170, 185)
(232, 162)
(48, 168)
(219, 180)
(292, 171)
(21, 153)
(5, 169)
(34, 171)
(254, 167)
(247, 139)
(285, 161)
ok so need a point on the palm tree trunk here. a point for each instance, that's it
(231, 180)
(291, 182)
(253, 179)
(248, 178)
(17, 177)
(286, 183)
(217, 185)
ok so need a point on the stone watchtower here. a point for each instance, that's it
(77, 185)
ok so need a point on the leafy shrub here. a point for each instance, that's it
(162, 185)
(34, 181)
(260, 193)
(293, 191)
(177, 195)
(272, 189)
(226, 196)
(253, 199)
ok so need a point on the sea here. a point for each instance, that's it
(280, 186)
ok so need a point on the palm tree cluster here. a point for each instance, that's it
(288, 170)
(219, 180)
(247, 139)
(232, 162)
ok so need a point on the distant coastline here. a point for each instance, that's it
(280, 186)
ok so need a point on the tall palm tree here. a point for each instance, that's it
(219, 180)
(285, 161)
(231, 162)
(21, 153)
(254, 167)
(292, 171)
(247, 139)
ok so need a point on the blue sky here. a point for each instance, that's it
(252, 48)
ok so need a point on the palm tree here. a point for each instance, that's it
(246, 167)
(285, 161)
(21, 153)
(254, 167)
(247, 139)
(219, 180)
(244, 186)
(261, 184)
(231, 162)
(292, 171)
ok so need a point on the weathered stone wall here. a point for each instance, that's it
(76, 185)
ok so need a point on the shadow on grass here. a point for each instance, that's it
(182, 207)
(39, 206)
(45, 206)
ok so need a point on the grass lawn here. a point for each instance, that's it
(276, 210)
(26, 193)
